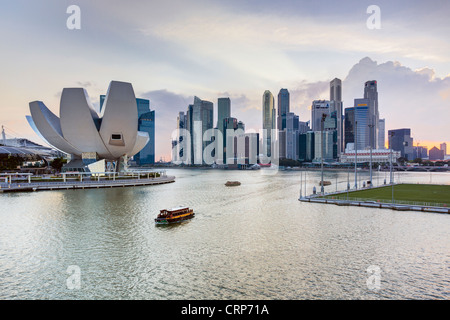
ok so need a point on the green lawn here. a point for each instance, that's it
(404, 192)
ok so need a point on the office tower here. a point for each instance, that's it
(443, 147)
(401, 140)
(310, 146)
(323, 145)
(381, 134)
(371, 94)
(301, 147)
(303, 127)
(420, 152)
(283, 108)
(223, 111)
(337, 105)
(291, 136)
(147, 124)
(436, 154)
(229, 123)
(199, 118)
(268, 116)
(318, 109)
(356, 125)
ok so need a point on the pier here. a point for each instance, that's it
(66, 183)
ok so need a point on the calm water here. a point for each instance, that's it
(255, 241)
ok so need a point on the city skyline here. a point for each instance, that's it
(141, 44)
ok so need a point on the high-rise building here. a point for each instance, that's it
(382, 134)
(269, 122)
(323, 145)
(199, 118)
(337, 106)
(147, 124)
(318, 109)
(291, 136)
(310, 146)
(443, 147)
(401, 140)
(371, 94)
(420, 152)
(283, 108)
(223, 111)
(229, 123)
(356, 125)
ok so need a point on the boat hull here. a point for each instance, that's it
(167, 221)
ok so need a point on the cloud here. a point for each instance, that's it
(415, 99)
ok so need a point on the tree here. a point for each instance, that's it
(57, 163)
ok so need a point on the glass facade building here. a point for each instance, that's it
(356, 125)
(268, 116)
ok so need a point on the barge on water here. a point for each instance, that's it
(174, 215)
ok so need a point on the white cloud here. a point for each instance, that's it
(415, 99)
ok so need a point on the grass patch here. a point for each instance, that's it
(403, 192)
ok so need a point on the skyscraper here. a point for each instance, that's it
(223, 111)
(401, 140)
(318, 109)
(229, 123)
(381, 134)
(356, 125)
(199, 118)
(283, 108)
(371, 94)
(337, 105)
(268, 116)
(291, 136)
(147, 124)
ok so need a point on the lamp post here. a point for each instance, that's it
(356, 154)
(370, 169)
(322, 189)
(390, 145)
(392, 178)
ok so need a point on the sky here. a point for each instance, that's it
(172, 51)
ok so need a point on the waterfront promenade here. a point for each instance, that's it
(84, 184)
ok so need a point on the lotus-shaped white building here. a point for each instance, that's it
(87, 135)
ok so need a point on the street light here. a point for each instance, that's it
(322, 190)
(392, 178)
(373, 136)
(356, 154)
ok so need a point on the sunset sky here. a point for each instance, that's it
(172, 51)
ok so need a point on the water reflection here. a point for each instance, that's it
(255, 241)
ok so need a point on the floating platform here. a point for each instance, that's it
(373, 204)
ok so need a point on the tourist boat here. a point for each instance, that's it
(174, 215)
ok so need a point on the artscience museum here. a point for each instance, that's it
(96, 141)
